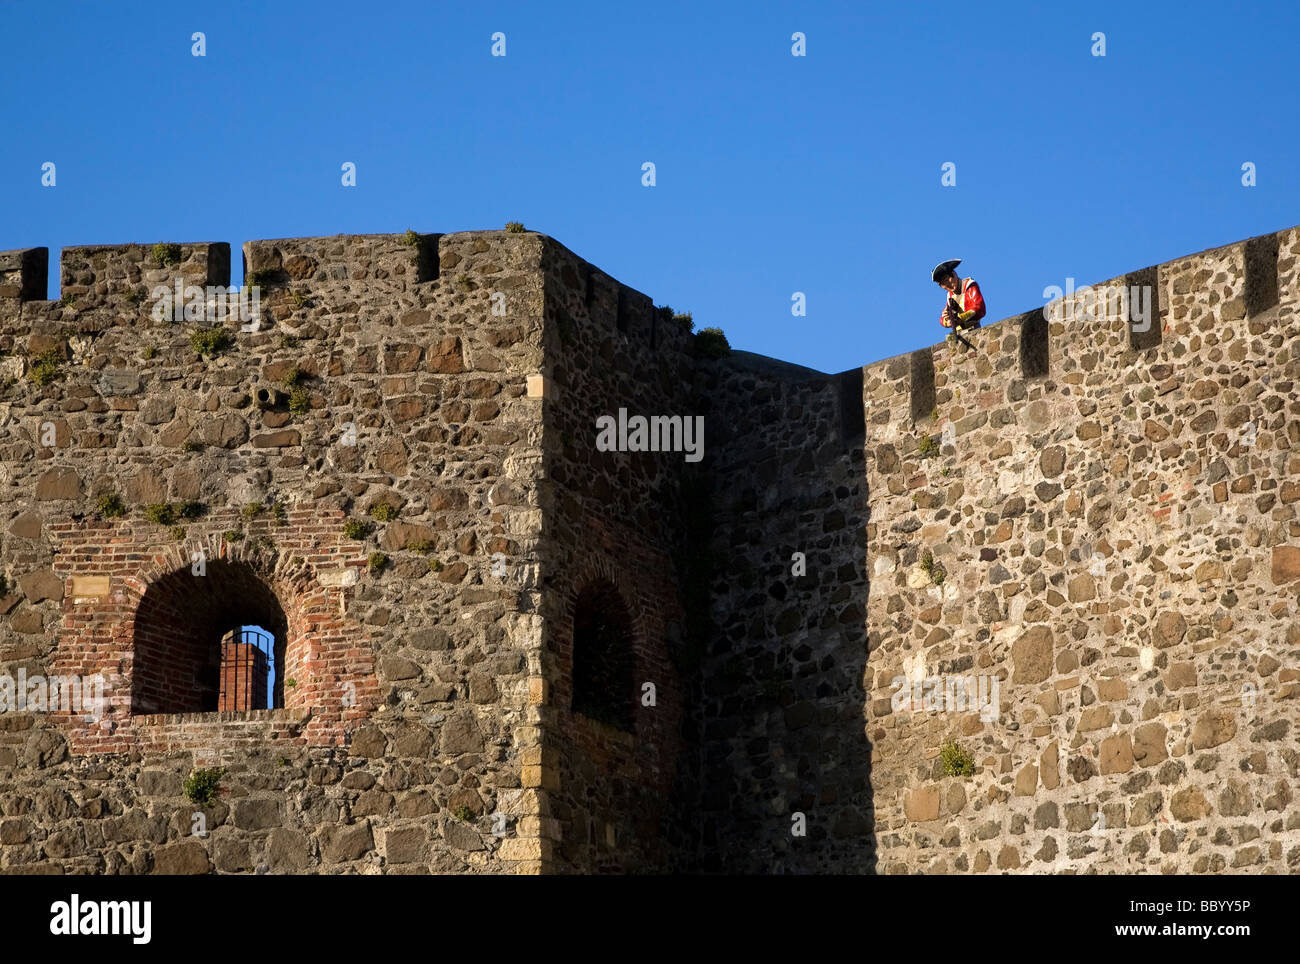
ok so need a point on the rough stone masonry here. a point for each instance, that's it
(396, 474)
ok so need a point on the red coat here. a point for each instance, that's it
(970, 304)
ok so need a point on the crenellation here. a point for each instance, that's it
(24, 274)
(1107, 538)
(921, 380)
(395, 473)
(115, 275)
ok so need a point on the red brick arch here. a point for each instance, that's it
(159, 621)
(178, 624)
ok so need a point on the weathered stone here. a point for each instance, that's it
(287, 851)
(284, 439)
(1286, 564)
(403, 535)
(27, 526)
(1116, 754)
(461, 734)
(1235, 799)
(1052, 461)
(1149, 744)
(1168, 629)
(369, 741)
(1180, 676)
(1033, 656)
(1082, 588)
(446, 357)
(398, 668)
(922, 804)
(41, 585)
(256, 814)
(1213, 728)
(182, 857)
(1048, 767)
(1096, 718)
(343, 843)
(461, 836)
(58, 483)
(406, 845)
(1027, 780)
(159, 783)
(1189, 804)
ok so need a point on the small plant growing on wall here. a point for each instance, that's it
(160, 513)
(150, 352)
(166, 254)
(683, 320)
(927, 446)
(934, 570)
(109, 506)
(515, 227)
(252, 510)
(377, 561)
(711, 343)
(382, 512)
(232, 535)
(299, 400)
(209, 341)
(356, 529)
(422, 546)
(434, 565)
(464, 813)
(279, 513)
(201, 786)
(178, 533)
(956, 762)
(45, 368)
(68, 299)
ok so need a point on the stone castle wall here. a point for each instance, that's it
(1100, 518)
(781, 707)
(614, 518)
(1114, 516)
(407, 688)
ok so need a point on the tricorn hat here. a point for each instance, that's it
(942, 269)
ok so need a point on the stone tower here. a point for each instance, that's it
(500, 647)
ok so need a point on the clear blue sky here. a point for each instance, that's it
(775, 174)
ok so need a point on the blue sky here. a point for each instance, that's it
(775, 174)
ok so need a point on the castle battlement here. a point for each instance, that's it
(498, 647)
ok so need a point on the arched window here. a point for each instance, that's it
(604, 687)
(203, 643)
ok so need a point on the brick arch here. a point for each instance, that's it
(177, 626)
(604, 655)
(602, 570)
(595, 571)
(295, 577)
